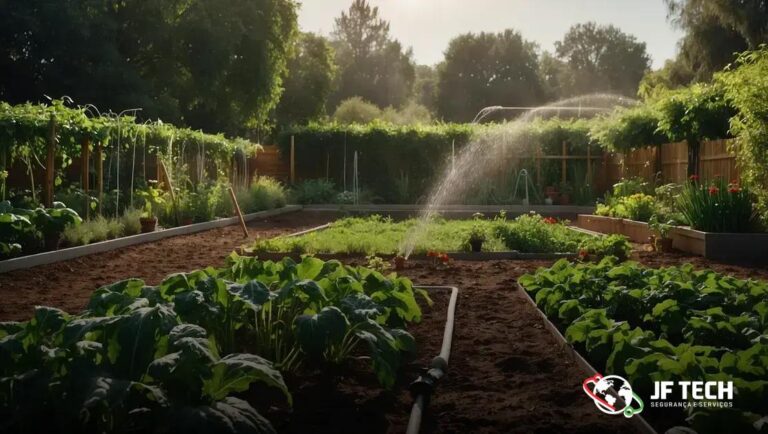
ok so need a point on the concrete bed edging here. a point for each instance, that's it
(450, 209)
(637, 420)
(109, 245)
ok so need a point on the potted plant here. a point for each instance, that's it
(660, 239)
(551, 193)
(477, 237)
(152, 200)
(399, 261)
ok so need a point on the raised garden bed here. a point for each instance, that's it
(670, 324)
(527, 237)
(751, 247)
(637, 232)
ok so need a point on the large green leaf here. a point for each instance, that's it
(315, 333)
(236, 373)
(228, 416)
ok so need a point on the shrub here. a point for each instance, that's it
(532, 233)
(267, 193)
(313, 191)
(93, 231)
(718, 207)
(130, 221)
(356, 110)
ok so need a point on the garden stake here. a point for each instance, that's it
(237, 210)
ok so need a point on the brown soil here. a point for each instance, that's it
(67, 285)
(507, 372)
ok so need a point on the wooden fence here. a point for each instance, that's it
(669, 162)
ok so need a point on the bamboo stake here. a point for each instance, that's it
(239, 213)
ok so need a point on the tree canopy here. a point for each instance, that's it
(596, 58)
(215, 64)
(487, 69)
(372, 65)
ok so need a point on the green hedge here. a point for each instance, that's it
(24, 131)
(401, 163)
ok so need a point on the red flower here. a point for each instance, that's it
(550, 220)
(431, 254)
(694, 178)
(583, 253)
(734, 189)
(713, 190)
(444, 257)
(735, 182)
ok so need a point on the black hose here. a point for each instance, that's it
(422, 388)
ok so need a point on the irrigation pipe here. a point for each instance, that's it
(424, 386)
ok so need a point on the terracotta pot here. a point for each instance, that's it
(148, 224)
(476, 245)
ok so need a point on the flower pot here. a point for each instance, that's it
(548, 201)
(476, 245)
(148, 224)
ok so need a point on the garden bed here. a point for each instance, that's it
(730, 247)
(106, 246)
(532, 236)
(637, 232)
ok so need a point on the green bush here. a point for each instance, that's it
(531, 233)
(130, 221)
(640, 207)
(600, 247)
(313, 191)
(356, 110)
(93, 231)
(267, 193)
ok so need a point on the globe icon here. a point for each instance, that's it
(612, 394)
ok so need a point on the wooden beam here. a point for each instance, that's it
(238, 212)
(100, 177)
(50, 163)
(85, 172)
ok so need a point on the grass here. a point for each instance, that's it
(384, 236)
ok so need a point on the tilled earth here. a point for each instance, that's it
(507, 372)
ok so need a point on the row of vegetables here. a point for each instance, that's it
(667, 324)
(183, 355)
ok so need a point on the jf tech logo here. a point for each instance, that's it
(613, 395)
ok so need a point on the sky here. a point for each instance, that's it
(428, 25)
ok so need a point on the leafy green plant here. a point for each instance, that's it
(532, 233)
(130, 221)
(93, 231)
(267, 193)
(610, 245)
(667, 324)
(718, 207)
(313, 191)
(153, 199)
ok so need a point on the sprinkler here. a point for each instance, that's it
(523, 173)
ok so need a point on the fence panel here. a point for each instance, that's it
(270, 162)
(717, 160)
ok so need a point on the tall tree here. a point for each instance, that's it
(425, 86)
(372, 64)
(600, 59)
(210, 64)
(487, 69)
(715, 31)
(310, 80)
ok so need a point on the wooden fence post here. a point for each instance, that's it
(50, 163)
(100, 177)
(565, 162)
(293, 160)
(84, 166)
(589, 164)
(538, 166)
